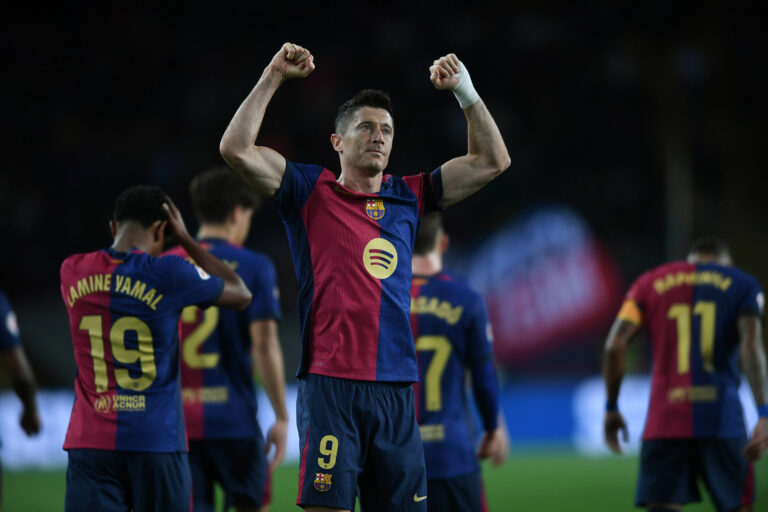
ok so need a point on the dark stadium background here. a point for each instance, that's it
(649, 121)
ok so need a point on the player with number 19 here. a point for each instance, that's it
(126, 438)
(703, 317)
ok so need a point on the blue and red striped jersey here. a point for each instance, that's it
(450, 325)
(691, 313)
(218, 391)
(123, 313)
(352, 255)
(9, 329)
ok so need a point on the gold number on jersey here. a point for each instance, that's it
(145, 352)
(681, 314)
(433, 396)
(329, 452)
(190, 349)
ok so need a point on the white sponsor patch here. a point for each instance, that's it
(202, 273)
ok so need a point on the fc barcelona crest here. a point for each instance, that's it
(322, 481)
(375, 208)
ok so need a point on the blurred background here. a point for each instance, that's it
(632, 130)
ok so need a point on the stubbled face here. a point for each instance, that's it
(367, 140)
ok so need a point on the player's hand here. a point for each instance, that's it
(30, 422)
(494, 445)
(612, 424)
(276, 437)
(175, 222)
(292, 61)
(444, 73)
(758, 443)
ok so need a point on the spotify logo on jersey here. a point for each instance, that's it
(380, 258)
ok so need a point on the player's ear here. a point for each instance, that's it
(336, 142)
(444, 242)
(158, 231)
(113, 228)
(235, 215)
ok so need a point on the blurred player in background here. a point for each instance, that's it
(219, 349)
(126, 438)
(704, 318)
(453, 338)
(351, 238)
(16, 366)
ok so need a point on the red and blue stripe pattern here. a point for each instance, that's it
(123, 311)
(354, 270)
(691, 313)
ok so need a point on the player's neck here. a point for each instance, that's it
(130, 237)
(427, 265)
(360, 180)
(220, 231)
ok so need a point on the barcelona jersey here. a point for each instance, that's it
(9, 329)
(352, 256)
(218, 391)
(450, 325)
(691, 312)
(123, 312)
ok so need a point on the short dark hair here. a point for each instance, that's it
(426, 238)
(365, 98)
(142, 204)
(711, 246)
(217, 192)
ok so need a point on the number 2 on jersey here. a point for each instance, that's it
(145, 353)
(190, 350)
(433, 395)
(681, 313)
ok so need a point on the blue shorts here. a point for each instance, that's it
(670, 468)
(458, 494)
(238, 465)
(359, 436)
(106, 481)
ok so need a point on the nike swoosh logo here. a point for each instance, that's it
(418, 498)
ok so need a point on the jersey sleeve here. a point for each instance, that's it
(633, 305)
(479, 358)
(753, 300)
(190, 285)
(9, 330)
(298, 182)
(428, 189)
(266, 295)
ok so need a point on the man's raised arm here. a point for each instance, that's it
(259, 166)
(487, 155)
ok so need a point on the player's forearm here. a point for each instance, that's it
(753, 360)
(485, 141)
(261, 167)
(268, 360)
(613, 369)
(244, 127)
(236, 294)
(485, 387)
(21, 376)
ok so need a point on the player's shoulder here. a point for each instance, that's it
(736, 274)
(81, 261)
(662, 270)
(456, 286)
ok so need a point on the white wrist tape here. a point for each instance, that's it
(465, 92)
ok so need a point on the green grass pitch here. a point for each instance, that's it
(557, 481)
